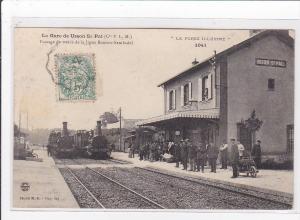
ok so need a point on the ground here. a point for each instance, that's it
(48, 188)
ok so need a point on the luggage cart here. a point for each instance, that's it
(247, 166)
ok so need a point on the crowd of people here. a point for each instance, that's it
(194, 157)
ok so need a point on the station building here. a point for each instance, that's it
(211, 100)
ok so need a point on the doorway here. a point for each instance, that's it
(244, 136)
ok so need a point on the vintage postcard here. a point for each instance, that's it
(185, 119)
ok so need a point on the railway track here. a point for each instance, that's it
(85, 188)
(116, 187)
(83, 161)
(171, 193)
(106, 190)
(125, 187)
(258, 195)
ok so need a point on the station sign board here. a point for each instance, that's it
(270, 62)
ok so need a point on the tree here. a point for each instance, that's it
(253, 124)
(108, 118)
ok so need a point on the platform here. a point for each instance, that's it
(276, 181)
(40, 185)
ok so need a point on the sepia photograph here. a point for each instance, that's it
(153, 118)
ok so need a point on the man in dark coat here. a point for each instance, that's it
(184, 154)
(191, 155)
(49, 150)
(142, 151)
(212, 154)
(147, 151)
(256, 154)
(201, 156)
(224, 154)
(177, 153)
(234, 158)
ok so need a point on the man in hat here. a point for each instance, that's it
(184, 154)
(201, 153)
(177, 153)
(241, 148)
(212, 155)
(234, 158)
(256, 153)
(191, 155)
(224, 154)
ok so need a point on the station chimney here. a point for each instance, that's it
(99, 131)
(65, 129)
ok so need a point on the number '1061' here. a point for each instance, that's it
(200, 44)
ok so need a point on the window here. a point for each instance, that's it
(171, 100)
(271, 84)
(290, 138)
(205, 88)
(186, 94)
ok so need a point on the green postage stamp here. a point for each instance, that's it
(76, 77)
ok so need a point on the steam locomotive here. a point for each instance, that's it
(81, 144)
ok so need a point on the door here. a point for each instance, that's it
(244, 136)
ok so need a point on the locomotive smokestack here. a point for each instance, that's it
(65, 129)
(99, 131)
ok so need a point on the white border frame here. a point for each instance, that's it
(136, 15)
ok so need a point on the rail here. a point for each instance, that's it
(125, 187)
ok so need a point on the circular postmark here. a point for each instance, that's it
(25, 186)
(76, 77)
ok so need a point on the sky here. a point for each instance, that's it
(127, 75)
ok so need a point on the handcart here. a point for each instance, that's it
(247, 166)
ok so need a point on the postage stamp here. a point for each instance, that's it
(75, 76)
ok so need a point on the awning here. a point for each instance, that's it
(200, 114)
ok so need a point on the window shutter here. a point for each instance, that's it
(182, 96)
(190, 91)
(209, 81)
(174, 99)
(168, 99)
(212, 85)
(199, 89)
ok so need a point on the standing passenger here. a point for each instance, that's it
(177, 153)
(212, 154)
(147, 151)
(165, 147)
(141, 151)
(224, 154)
(241, 149)
(234, 158)
(201, 156)
(256, 153)
(49, 150)
(130, 150)
(191, 155)
(184, 154)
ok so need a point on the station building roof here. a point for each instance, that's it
(282, 35)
